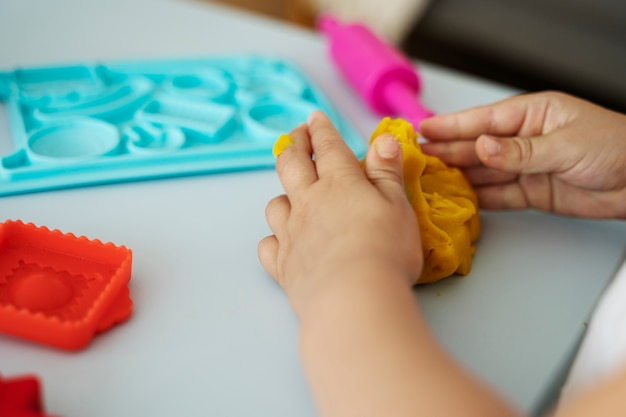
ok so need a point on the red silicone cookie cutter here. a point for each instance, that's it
(59, 289)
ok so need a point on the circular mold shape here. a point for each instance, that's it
(41, 290)
(266, 120)
(74, 140)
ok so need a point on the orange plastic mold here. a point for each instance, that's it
(59, 289)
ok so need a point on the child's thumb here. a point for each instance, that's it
(383, 165)
(520, 155)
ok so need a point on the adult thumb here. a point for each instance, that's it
(521, 155)
(383, 165)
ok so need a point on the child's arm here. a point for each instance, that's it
(346, 249)
(368, 352)
(607, 399)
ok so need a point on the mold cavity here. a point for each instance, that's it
(209, 86)
(16, 160)
(79, 73)
(77, 140)
(147, 139)
(40, 290)
(186, 81)
(272, 116)
(73, 96)
(206, 119)
(201, 113)
(267, 119)
(278, 117)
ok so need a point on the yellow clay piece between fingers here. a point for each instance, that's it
(444, 202)
(282, 143)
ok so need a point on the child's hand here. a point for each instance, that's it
(548, 151)
(337, 219)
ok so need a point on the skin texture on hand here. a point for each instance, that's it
(444, 202)
(547, 151)
(344, 248)
(334, 214)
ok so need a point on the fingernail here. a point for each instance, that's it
(311, 117)
(283, 142)
(387, 147)
(315, 114)
(491, 146)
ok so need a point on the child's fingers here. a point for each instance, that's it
(332, 155)
(383, 166)
(294, 164)
(276, 213)
(268, 251)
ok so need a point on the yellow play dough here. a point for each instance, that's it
(444, 202)
(282, 143)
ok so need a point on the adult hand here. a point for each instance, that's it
(548, 151)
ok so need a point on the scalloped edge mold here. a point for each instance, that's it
(59, 289)
(96, 123)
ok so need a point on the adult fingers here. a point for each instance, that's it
(458, 154)
(482, 175)
(523, 155)
(505, 118)
(332, 155)
(533, 190)
(501, 197)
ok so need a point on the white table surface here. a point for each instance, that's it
(211, 334)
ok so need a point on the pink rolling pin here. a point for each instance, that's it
(384, 77)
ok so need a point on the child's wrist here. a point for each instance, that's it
(331, 287)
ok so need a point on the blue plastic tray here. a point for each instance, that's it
(88, 124)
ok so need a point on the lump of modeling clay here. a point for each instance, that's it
(444, 202)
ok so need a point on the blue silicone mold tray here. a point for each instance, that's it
(98, 123)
